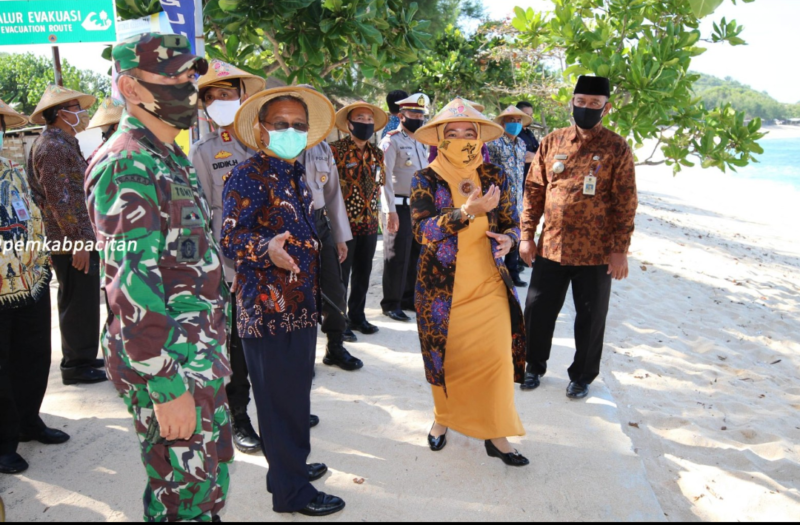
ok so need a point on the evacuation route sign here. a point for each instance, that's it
(53, 22)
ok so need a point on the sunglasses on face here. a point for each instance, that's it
(282, 126)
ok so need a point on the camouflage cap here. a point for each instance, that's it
(163, 54)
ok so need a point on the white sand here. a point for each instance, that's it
(690, 342)
(782, 132)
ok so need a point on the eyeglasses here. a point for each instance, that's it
(282, 126)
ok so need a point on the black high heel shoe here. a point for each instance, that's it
(437, 443)
(512, 459)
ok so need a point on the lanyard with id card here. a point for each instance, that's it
(590, 181)
(20, 209)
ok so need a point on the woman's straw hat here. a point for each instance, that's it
(381, 119)
(107, 114)
(55, 95)
(320, 114)
(479, 107)
(219, 71)
(513, 111)
(458, 110)
(12, 118)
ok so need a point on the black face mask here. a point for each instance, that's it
(362, 131)
(412, 124)
(587, 118)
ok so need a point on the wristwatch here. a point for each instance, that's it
(464, 212)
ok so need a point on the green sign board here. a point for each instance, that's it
(53, 22)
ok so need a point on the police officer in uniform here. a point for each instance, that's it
(162, 270)
(222, 90)
(403, 157)
(333, 230)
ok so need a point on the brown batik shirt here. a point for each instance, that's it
(361, 175)
(581, 229)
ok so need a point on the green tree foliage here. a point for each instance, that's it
(24, 77)
(309, 41)
(646, 47)
(716, 91)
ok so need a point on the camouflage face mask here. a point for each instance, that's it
(174, 104)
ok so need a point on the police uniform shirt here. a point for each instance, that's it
(322, 179)
(214, 156)
(403, 156)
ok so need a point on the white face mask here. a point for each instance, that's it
(223, 112)
(82, 117)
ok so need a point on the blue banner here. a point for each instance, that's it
(180, 14)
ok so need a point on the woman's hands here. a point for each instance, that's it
(504, 244)
(478, 204)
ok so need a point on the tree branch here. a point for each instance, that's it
(276, 51)
(218, 32)
(651, 162)
(334, 66)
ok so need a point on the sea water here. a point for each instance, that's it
(779, 163)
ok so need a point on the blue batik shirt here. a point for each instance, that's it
(510, 155)
(264, 197)
(394, 123)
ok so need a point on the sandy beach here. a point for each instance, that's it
(694, 417)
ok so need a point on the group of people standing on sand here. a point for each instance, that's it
(267, 225)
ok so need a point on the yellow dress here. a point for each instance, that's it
(478, 361)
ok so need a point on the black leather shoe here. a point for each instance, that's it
(245, 438)
(316, 471)
(12, 464)
(98, 363)
(46, 436)
(397, 315)
(408, 307)
(577, 390)
(512, 459)
(322, 505)
(337, 355)
(82, 375)
(437, 443)
(519, 282)
(364, 327)
(313, 420)
(349, 337)
(531, 381)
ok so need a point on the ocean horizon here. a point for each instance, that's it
(779, 163)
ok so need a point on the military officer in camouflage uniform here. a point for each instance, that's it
(161, 267)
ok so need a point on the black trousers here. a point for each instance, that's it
(591, 291)
(78, 310)
(238, 388)
(360, 252)
(400, 255)
(333, 320)
(24, 367)
(281, 368)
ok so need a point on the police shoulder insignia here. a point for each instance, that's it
(226, 137)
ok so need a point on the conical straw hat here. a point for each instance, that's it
(12, 118)
(219, 71)
(381, 119)
(458, 110)
(107, 114)
(513, 111)
(320, 114)
(479, 107)
(55, 95)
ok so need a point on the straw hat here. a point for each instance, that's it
(55, 95)
(320, 115)
(479, 107)
(381, 119)
(458, 110)
(513, 111)
(219, 71)
(12, 118)
(107, 114)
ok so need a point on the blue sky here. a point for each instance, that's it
(765, 63)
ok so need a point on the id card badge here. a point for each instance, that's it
(589, 185)
(21, 209)
(377, 174)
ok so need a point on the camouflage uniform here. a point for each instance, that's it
(169, 302)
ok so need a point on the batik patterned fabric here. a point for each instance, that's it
(161, 267)
(393, 124)
(56, 172)
(187, 480)
(361, 175)
(436, 225)
(580, 229)
(24, 274)
(510, 155)
(264, 197)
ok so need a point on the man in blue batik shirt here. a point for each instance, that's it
(394, 110)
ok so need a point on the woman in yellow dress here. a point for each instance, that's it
(468, 314)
